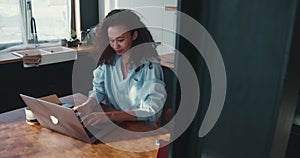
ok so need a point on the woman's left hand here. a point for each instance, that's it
(95, 118)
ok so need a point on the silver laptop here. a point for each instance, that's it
(64, 120)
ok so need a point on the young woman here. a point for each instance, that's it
(128, 77)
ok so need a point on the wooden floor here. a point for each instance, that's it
(293, 149)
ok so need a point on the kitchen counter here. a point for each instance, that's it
(7, 57)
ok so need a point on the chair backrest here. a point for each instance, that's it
(173, 93)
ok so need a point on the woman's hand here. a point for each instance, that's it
(84, 109)
(87, 107)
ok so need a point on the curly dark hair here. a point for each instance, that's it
(132, 22)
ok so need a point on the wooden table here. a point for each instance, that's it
(18, 139)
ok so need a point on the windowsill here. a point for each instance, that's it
(6, 55)
(28, 47)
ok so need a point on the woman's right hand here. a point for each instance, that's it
(87, 107)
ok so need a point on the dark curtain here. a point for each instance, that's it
(73, 22)
(89, 14)
(254, 38)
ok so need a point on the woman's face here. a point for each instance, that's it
(120, 39)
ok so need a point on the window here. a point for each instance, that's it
(52, 21)
(52, 18)
(10, 22)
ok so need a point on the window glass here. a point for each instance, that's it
(52, 18)
(10, 22)
(52, 21)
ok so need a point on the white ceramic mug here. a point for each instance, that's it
(29, 115)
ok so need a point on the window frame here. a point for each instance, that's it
(25, 8)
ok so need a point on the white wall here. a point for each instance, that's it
(161, 22)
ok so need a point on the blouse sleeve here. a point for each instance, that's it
(152, 93)
(98, 91)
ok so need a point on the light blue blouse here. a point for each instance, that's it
(143, 91)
